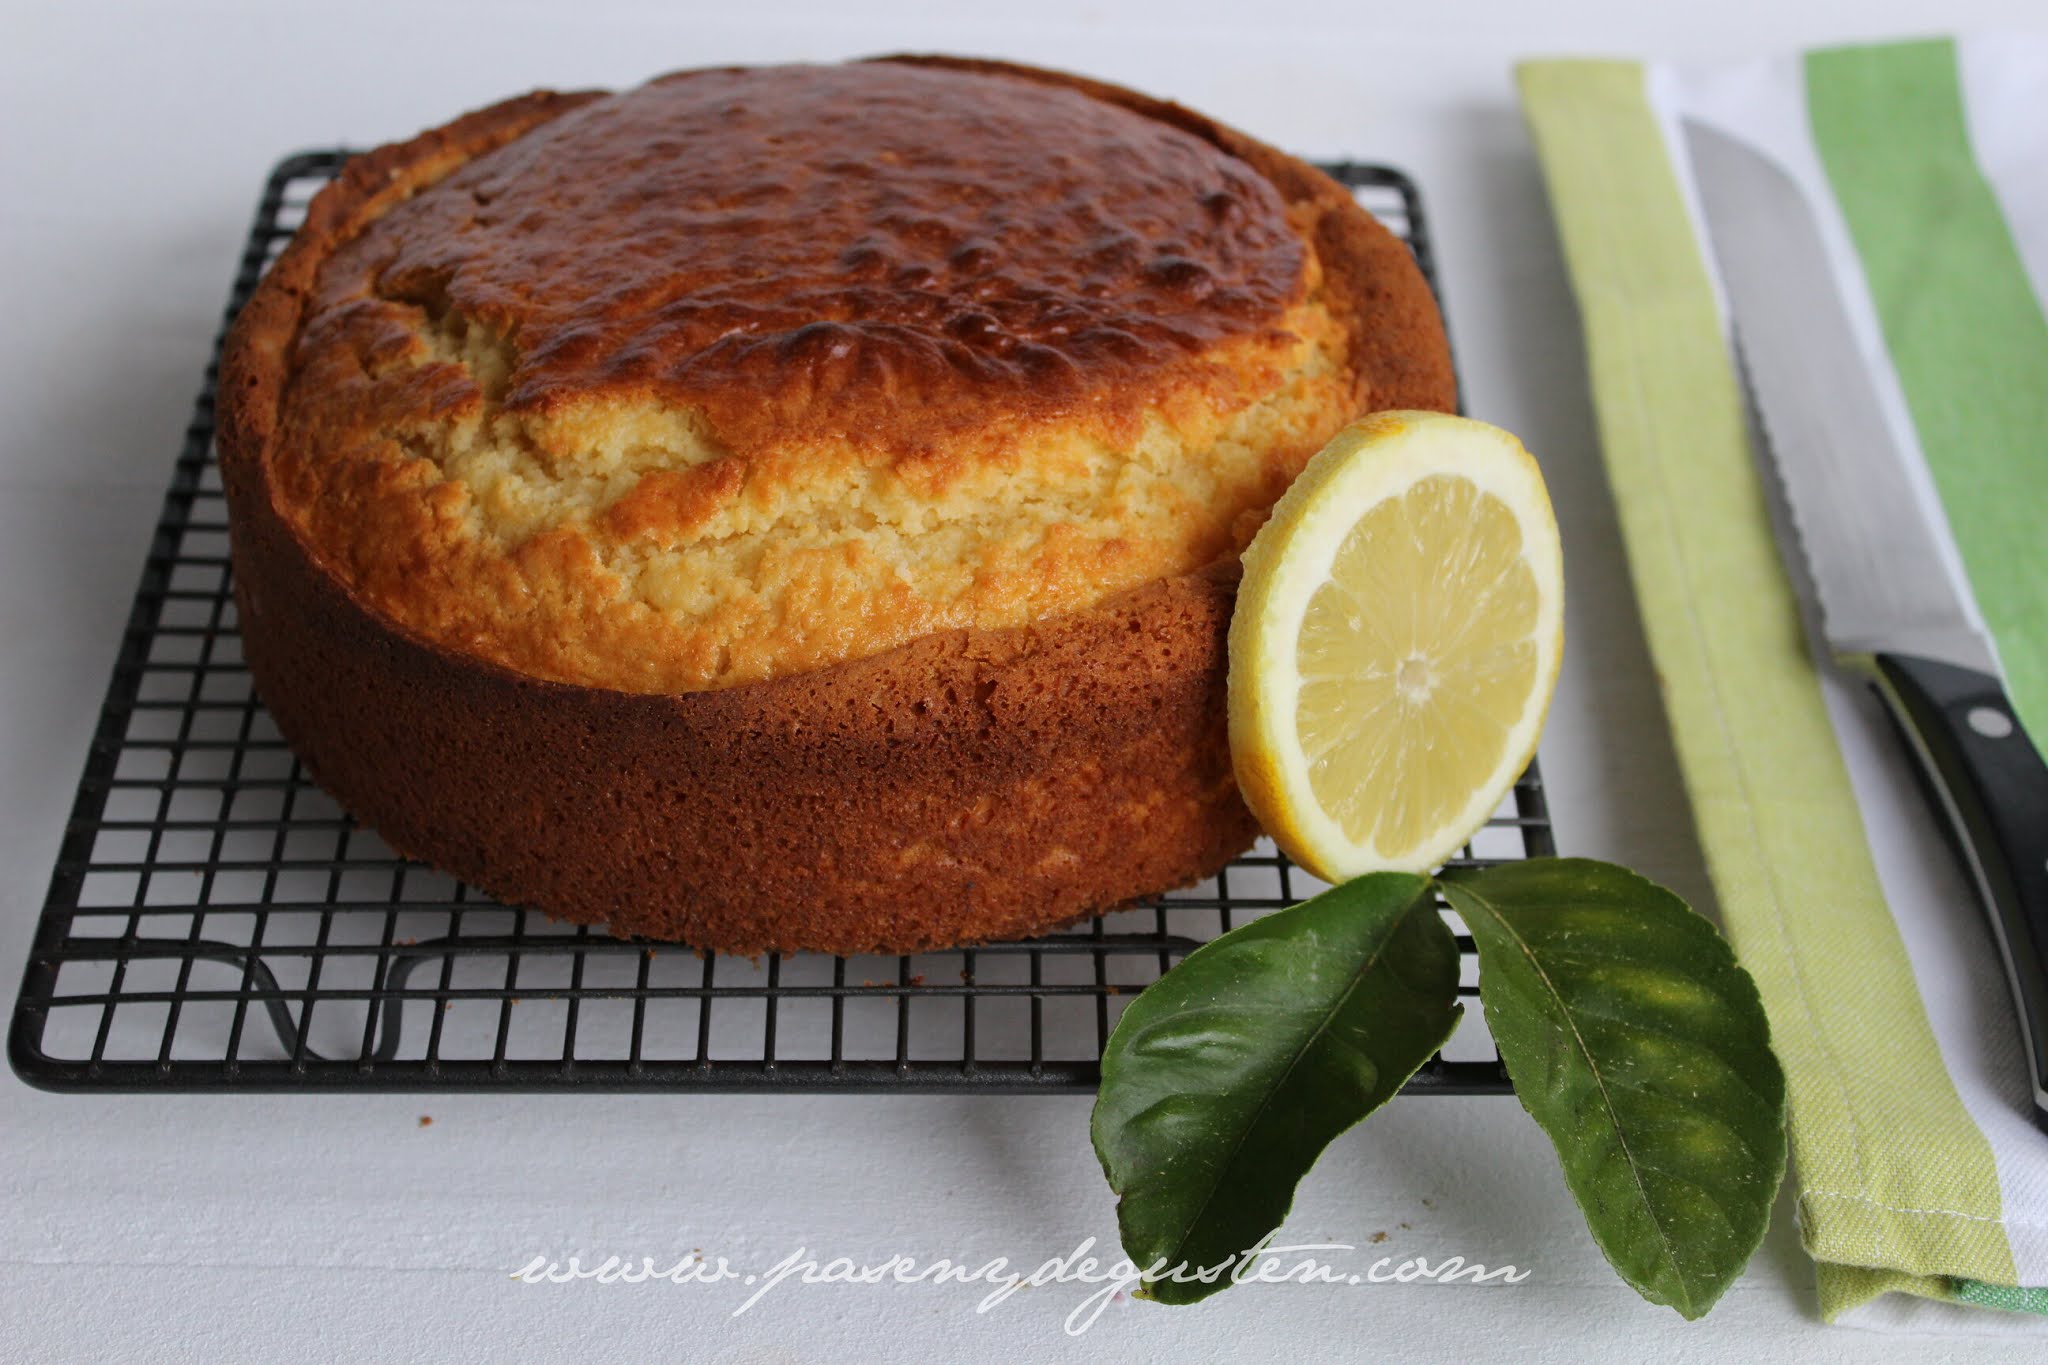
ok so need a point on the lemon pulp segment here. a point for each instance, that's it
(1415, 660)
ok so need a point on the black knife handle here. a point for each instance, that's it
(1994, 787)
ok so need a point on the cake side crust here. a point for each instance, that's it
(969, 787)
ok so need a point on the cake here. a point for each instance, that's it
(790, 508)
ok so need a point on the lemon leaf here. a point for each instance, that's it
(1641, 1048)
(1226, 1078)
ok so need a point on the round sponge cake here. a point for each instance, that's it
(795, 507)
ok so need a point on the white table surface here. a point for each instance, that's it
(132, 140)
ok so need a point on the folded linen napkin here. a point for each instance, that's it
(1923, 1185)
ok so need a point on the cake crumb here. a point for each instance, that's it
(1378, 1237)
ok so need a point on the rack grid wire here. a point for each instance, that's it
(217, 922)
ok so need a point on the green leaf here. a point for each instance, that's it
(1228, 1076)
(1640, 1047)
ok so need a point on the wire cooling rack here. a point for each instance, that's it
(216, 922)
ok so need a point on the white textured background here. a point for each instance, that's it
(133, 139)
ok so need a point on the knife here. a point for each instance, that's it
(1889, 608)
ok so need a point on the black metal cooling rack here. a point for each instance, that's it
(216, 922)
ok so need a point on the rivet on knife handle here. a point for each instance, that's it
(1994, 787)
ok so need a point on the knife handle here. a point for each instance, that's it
(1992, 783)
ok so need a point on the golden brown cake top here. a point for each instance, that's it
(887, 251)
(748, 372)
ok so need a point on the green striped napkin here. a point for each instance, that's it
(1926, 167)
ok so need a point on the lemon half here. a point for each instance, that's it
(1395, 643)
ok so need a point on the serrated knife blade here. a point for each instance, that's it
(1889, 606)
(1876, 564)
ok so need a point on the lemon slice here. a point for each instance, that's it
(1395, 643)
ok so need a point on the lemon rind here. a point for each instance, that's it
(1294, 553)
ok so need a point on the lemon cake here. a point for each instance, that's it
(795, 507)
